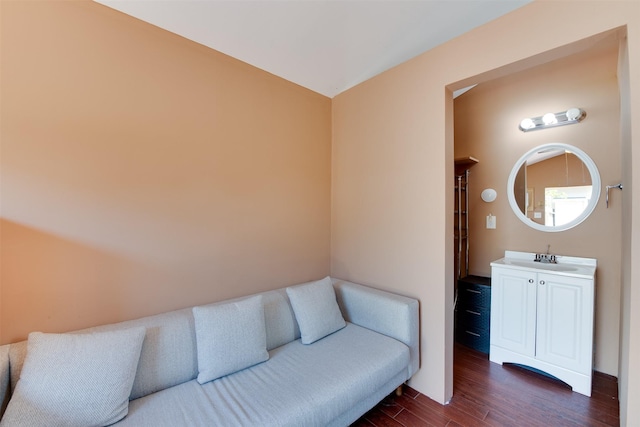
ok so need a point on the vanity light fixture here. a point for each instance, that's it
(569, 117)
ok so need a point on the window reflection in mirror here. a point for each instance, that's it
(553, 187)
(564, 204)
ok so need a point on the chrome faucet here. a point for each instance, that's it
(546, 258)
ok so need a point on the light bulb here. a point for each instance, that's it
(527, 124)
(573, 113)
(549, 119)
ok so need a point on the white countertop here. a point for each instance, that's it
(565, 266)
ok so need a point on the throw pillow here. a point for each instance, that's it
(229, 337)
(316, 310)
(75, 379)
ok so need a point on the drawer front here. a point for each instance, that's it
(476, 317)
(474, 295)
(474, 338)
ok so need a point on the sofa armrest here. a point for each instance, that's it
(387, 313)
(5, 378)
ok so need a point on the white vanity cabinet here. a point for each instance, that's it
(542, 316)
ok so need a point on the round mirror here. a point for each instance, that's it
(553, 187)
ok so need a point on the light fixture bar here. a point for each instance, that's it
(549, 120)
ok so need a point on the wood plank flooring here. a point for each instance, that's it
(487, 394)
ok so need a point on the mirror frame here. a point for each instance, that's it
(595, 190)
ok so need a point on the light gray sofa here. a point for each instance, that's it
(330, 382)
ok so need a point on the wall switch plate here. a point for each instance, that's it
(491, 221)
(537, 215)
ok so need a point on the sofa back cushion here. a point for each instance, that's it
(76, 379)
(316, 309)
(279, 318)
(168, 355)
(230, 337)
(169, 352)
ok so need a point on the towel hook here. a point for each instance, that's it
(609, 187)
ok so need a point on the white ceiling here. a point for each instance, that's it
(327, 46)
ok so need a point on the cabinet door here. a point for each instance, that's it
(513, 310)
(565, 322)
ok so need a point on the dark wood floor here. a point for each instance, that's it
(487, 394)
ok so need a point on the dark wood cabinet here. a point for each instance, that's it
(473, 312)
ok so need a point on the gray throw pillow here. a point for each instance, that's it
(316, 310)
(75, 379)
(230, 337)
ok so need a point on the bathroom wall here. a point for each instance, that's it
(486, 126)
(142, 172)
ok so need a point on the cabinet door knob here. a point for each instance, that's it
(542, 282)
(530, 280)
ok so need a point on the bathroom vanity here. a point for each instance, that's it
(542, 315)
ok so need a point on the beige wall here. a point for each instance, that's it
(142, 172)
(393, 162)
(486, 127)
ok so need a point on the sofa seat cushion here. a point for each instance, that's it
(300, 385)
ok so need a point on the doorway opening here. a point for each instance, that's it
(486, 120)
